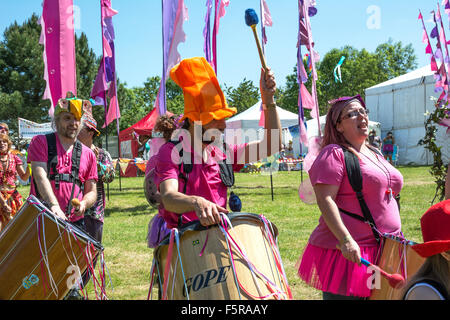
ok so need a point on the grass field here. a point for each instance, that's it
(127, 215)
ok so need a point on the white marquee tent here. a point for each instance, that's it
(250, 118)
(248, 122)
(399, 105)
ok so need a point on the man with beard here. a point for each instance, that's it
(62, 167)
(194, 184)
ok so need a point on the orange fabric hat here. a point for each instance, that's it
(203, 98)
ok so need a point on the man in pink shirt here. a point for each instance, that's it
(201, 194)
(57, 189)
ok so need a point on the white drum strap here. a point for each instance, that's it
(275, 290)
(44, 253)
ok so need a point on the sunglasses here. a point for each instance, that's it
(2, 128)
(353, 114)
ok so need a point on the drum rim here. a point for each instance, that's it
(32, 200)
(196, 226)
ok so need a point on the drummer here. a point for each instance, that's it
(201, 194)
(66, 121)
(331, 261)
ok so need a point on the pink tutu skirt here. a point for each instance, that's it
(327, 270)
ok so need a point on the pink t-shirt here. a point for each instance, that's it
(204, 179)
(37, 152)
(329, 168)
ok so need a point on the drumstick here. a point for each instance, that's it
(251, 19)
(75, 203)
(395, 280)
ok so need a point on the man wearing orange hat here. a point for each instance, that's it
(201, 194)
(54, 180)
(432, 281)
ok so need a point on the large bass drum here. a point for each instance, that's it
(42, 256)
(239, 259)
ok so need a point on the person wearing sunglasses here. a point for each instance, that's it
(331, 261)
(4, 129)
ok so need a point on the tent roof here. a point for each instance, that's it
(142, 127)
(253, 113)
(413, 75)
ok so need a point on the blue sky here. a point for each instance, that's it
(359, 23)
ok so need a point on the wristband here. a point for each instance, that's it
(269, 106)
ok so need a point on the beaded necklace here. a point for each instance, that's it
(386, 172)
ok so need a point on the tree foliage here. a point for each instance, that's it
(242, 97)
(438, 169)
(361, 69)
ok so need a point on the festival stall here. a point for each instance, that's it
(400, 105)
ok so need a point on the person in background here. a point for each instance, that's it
(10, 166)
(374, 140)
(94, 216)
(162, 132)
(4, 129)
(331, 261)
(432, 280)
(388, 146)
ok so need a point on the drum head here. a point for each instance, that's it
(150, 190)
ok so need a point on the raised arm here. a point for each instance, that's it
(271, 142)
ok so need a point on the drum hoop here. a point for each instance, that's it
(196, 226)
(32, 200)
(398, 239)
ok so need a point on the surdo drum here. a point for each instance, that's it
(237, 259)
(42, 256)
(397, 257)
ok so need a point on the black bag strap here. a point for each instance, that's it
(76, 157)
(226, 171)
(52, 162)
(356, 181)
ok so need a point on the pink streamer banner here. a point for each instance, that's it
(58, 38)
(174, 13)
(105, 84)
(306, 100)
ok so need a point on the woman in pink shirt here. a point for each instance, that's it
(331, 261)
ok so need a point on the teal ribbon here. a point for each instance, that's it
(337, 70)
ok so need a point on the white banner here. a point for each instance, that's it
(28, 129)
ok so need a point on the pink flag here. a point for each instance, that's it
(174, 14)
(105, 84)
(58, 38)
(219, 13)
(307, 99)
(266, 20)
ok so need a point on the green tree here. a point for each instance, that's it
(22, 81)
(361, 70)
(394, 59)
(21, 77)
(242, 97)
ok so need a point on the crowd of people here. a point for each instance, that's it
(188, 178)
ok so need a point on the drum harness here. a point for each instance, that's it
(52, 172)
(226, 175)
